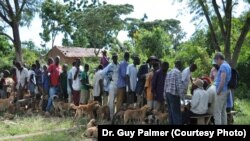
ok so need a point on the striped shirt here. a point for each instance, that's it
(173, 84)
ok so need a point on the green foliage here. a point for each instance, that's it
(5, 46)
(54, 20)
(170, 26)
(190, 53)
(156, 42)
(30, 56)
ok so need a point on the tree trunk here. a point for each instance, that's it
(17, 42)
(240, 41)
(227, 40)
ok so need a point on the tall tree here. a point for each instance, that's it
(14, 14)
(55, 19)
(223, 12)
(170, 26)
(156, 42)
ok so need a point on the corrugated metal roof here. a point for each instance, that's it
(77, 51)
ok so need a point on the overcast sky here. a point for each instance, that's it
(155, 9)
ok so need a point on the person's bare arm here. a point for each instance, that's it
(222, 82)
(76, 73)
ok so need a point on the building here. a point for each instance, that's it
(69, 54)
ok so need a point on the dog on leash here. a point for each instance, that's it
(137, 115)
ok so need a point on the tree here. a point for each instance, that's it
(55, 19)
(170, 26)
(102, 24)
(14, 14)
(156, 42)
(84, 23)
(5, 47)
(223, 12)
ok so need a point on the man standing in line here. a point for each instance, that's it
(22, 79)
(63, 83)
(158, 85)
(85, 95)
(222, 91)
(112, 71)
(132, 81)
(76, 82)
(54, 70)
(141, 76)
(69, 83)
(187, 77)
(98, 84)
(173, 94)
(121, 84)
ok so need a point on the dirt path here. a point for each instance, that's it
(22, 137)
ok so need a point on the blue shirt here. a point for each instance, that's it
(122, 74)
(230, 100)
(224, 67)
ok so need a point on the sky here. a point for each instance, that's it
(154, 9)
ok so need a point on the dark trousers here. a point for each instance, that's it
(64, 95)
(174, 109)
(131, 98)
(98, 98)
(76, 97)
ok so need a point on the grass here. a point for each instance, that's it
(26, 125)
(242, 118)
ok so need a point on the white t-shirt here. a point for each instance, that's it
(21, 76)
(76, 84)
(211, 91)
(98, 76)
(132, 73)
(199, 102)
(31, 72)
(185, 78)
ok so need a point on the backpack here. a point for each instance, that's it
(233, 83)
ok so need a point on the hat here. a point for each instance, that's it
(114, 54)
(199, 83)
(152, 58)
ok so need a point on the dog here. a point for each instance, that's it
(137, 114)
(85, 109)
(103, 112)
(62, 108)
(161, 118)
(6, 103)
(91, 132)
(118, 117)
(91, 123)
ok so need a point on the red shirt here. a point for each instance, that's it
(54, 71)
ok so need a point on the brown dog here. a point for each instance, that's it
(91, 132)
(160, 117)
(137, 115)
(103, 112)
(6, 103)
(62, 108)
(85, 109)
(91, 123)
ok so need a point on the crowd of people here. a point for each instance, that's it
(115, 83)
